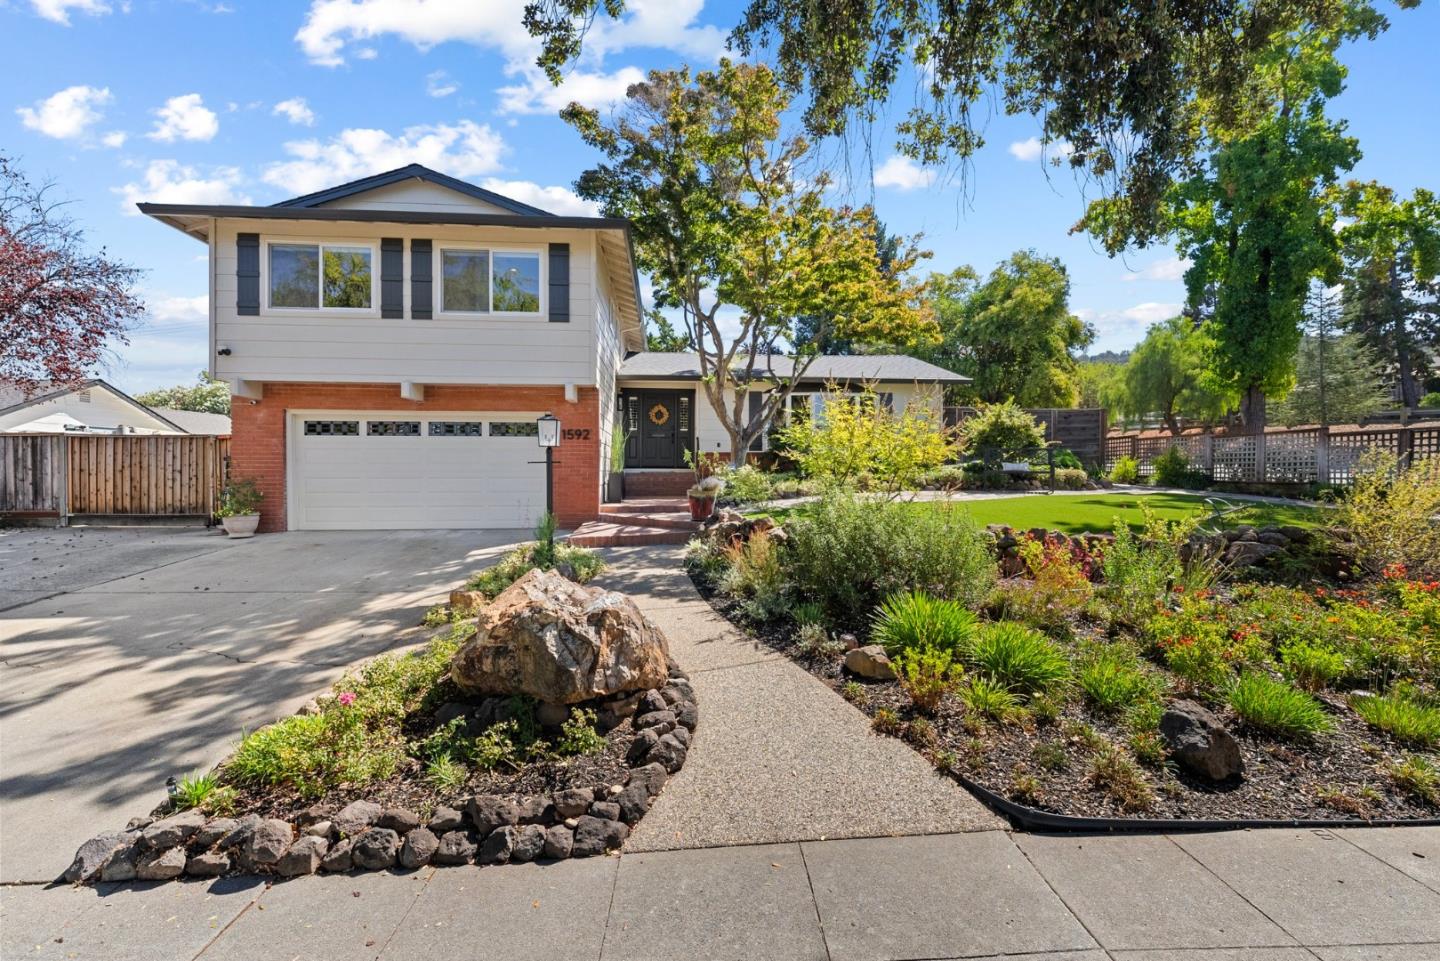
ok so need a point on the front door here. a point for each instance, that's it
(658, 427)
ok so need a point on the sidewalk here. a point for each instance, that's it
(1356, 895)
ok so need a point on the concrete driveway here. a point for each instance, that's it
(127, 656)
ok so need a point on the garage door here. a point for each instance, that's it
(395, 472)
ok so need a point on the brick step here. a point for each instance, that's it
(670, 521)
(647, 505)
(658, 483)
(605, 534)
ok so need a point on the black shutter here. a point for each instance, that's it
(392, 277)
(753, 400)
(247, 274)
(420, 271)
(560, 283)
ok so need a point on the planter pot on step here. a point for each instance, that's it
(241, 525)
(615, 488)
(701, 507)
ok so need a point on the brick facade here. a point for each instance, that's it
(257, 445)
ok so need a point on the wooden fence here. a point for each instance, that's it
(1079, 429)
(1309, 455)
(112, 474)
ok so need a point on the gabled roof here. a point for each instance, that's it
(411, 172)
(196, 421)
(12, 398)
(852, 368)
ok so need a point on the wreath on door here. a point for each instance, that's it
(659, 415)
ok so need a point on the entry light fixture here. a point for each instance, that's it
(549, 430)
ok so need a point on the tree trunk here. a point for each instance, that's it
(1172, 423)
(1252, 409)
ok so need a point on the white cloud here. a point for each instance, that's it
(59, 10)
(68, 114)
(172, 311)
(115, 139)
(1150, 312)
(1123, 329)
(464, 149)
(295, 110)
(902, 173)
(366, 53)
(1034, 148)
(169, 181)
(439, 84)
(184, 118)
(555, 200)
(536, 94)
(1171, 268)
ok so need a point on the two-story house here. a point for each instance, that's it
(390, 344)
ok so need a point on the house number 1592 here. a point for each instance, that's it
(577, 433)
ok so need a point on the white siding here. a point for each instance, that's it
(608, 353)
(416, 195)
(310, 345)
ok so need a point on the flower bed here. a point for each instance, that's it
(1130, 677)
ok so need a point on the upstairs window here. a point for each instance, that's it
(315, 276)
(489, 281)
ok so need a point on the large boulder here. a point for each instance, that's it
(557, 641)
(1199, 742)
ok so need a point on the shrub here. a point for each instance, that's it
(812, 640)
(239, 497)
(1273, 706)
(1111, 679)
(1000, 432)
(808, 612)
(886, 721)
(854, 692)
(926, 675)
(525, 558)
(1050, 756)
(1019, 658)
(1071, 478)
(445, 773)
(986, 697)
(579, 736)
(1172, 469)
(849, 554)
(194, 790)
(1059, 585)
(1389, 512)
(1126, 471)
(1417, 777)
(747, 485)
(860, 439)
(1431, 399)
(1115, 773)
(753, 571)
(1138, 569)
(914, 620)
(1403, 718)
(1065, 459)
(1148, 747)
(1311, 666)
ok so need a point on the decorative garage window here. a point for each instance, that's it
(457, 428)
(393, 428)
(514, 428)
(332, 428)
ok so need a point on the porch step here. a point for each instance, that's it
(604, 533)
(668, 520)
(657, 483)
(647, 505)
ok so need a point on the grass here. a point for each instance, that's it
(1403, 719)
(913, 620)
(1075, 514)
(1277, 708)
(1019, 658)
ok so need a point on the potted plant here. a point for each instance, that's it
(703, 492)
(615, 483)
(239, 509)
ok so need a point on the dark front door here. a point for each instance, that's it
(658, 422)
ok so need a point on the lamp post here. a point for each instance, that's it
(548, 436)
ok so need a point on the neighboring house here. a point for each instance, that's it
(196, 421)
(390, 344)
(91, 407)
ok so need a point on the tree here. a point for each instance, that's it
(1122, 86)
(887, 248)
(1097, 381)
(209, 395)
(1338, 378)
(860, 436)
(1162, 377)
(724, 216)
(1391, 251)
(1012, 334)
(661, 335)
(60, 304)
(1256, 221)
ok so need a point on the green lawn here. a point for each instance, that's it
(1075, 514)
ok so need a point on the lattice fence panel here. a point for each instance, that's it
(1118, 447)
(1424, 443)
(1347, 450)
(1290, 457)
(1234, 458)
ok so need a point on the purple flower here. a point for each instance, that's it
(347, 698)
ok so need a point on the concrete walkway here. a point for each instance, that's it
(778, 756)
(1356, 895)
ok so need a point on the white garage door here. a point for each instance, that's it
(394, 471)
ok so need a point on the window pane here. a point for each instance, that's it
(294, 275)
(517, 282)
(393, 428)
(467, 280)
(347, 276)
(514, 428)
(332, 428)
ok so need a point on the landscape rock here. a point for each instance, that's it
(687, 715)
(398, 820)
(534, 810)
(355, 817)
(376, 849)
(420, 846)
(161, 865)
(869, 661)
(682, 735)
(488, 812)
(551, 715)
(322, 811)
(529, 844)
(643, 744)
(214, 830)
(270, 839)
(651, 701)
(320, 829)
(304, 856)
(1244, 553)
(467, 601)
(445, 819)
(1197, 740)
(211, 864)
(244, 830)
(658, 719)
(597, 835)
(669, 753)
(498, 844)
(454, 848)
(173, 830)
(572, 802)
(123, 864)
(139, 823)
(340, 857)
(558, 842)
(561, 642)
(609, 810)
(91, 856)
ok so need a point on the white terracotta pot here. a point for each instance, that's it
(241, 525)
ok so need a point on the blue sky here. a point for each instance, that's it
(250, 102)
